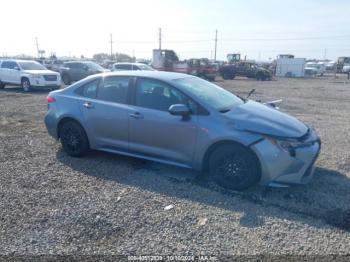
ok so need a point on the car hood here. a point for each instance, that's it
(311, 68)
(258, 118)
(40, 72)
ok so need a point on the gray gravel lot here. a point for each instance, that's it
(51, 203)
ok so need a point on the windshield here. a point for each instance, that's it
(209, 93)
(145, 67)
(94, 66)
(30, 65)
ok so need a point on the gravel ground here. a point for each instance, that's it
(51, 203)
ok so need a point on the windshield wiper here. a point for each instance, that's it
(225, 110)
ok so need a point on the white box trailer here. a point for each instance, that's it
(290, 67)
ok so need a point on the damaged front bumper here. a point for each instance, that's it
(285, 167)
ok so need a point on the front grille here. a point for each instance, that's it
(50, 77)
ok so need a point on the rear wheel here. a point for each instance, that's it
(25, 84)
(234, 166)
(211, 78)
(260, 76)
(228, 76)
(73, 139)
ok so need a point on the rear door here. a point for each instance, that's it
(80, 71)
(106, 112)
(76, 71)
(8, 71)
(153, 131)
(5, 72)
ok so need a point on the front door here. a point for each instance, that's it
(153, 131)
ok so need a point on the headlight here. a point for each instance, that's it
(288, 145)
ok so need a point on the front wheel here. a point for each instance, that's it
(73, 139)
(25, 84)
(261, 77)
(233, 166)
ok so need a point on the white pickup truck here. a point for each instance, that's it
(27, 74)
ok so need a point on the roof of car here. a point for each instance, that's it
(68, 62)
(18, 60)
(128, 63)
(167, 76)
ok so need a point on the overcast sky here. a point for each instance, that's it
(258, 29)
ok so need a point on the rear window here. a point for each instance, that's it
(114, 89)
(123, 67)
(88, 90)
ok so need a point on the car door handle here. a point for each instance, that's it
(136, 115)
(88, 105)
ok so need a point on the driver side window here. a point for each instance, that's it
(157, 95)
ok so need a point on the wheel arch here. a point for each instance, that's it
(24, 77)
(66, 119)
(216, 145)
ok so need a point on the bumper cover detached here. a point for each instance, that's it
(280, 168)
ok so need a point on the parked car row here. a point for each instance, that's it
(31, 74)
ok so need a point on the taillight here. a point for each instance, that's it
(50, 99)
(211, 69)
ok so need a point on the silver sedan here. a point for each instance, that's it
(185, 121)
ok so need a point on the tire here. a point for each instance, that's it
(66, 79)
(73, 139)
(234, 167)
(211, 79)
(228, 76)
(2, 85)
(25, 84)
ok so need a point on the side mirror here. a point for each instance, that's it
(16, 68)
(180, 110)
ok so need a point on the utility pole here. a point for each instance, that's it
(37, 46)
(325, 54)
(111, 43)
(216, 43)
(160, 38)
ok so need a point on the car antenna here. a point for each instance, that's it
(250, 93)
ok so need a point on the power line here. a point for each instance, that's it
(285, 39)
(232, 39)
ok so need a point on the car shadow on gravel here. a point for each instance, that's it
(326, 198)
